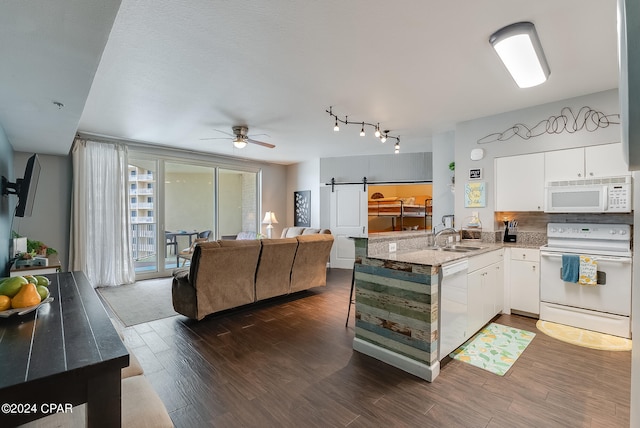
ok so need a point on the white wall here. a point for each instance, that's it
(274, 196)
(443, 154)
(304, 176)
(468, 133)
(49, 222)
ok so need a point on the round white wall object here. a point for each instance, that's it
(477, 154)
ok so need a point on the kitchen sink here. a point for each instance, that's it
(458, 248)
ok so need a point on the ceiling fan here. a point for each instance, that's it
(240, 138)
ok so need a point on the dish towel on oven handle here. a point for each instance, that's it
(588, 271)
(570, 267)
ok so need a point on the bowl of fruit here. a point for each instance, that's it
(23, 294)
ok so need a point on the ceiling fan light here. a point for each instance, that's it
(519, 48)
(239, 143)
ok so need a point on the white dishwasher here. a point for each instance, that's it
(453, 306)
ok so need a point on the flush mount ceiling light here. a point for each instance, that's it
(381, 135)
(520, 50)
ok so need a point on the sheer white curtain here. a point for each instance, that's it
(100, 223)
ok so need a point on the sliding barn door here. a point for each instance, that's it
(348, 217)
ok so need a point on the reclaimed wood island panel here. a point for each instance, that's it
(397, 312)
(397, 296)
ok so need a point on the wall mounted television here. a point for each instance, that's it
(24, 188)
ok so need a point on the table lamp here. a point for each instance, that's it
(269, 220)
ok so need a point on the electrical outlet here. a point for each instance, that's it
(393, 247)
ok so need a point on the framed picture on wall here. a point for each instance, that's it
(475, 195)
(302, 208)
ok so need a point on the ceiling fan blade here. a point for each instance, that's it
(224, 132)
(214, 138)
(260, 143)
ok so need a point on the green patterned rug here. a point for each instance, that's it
(495, 348)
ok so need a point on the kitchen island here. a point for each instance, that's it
(398, 297)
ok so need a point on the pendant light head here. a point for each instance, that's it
(239, 143)
(377, 133)
(362, 130)
(518, 46)
(336, 128)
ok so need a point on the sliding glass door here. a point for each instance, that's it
(175, 201)
(143, 197)
(237, 198)
(189, 209)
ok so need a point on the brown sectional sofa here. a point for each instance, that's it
(227, 274)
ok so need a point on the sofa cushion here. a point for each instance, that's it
(290, 232)
(310, 231)
(225, 275)
(273, 277)
(310, 263)
(247, 235)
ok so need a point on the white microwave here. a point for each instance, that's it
(595, 195)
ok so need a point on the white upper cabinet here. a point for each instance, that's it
(585, 162)
(564, 164)
(520, 183)
(605, 161)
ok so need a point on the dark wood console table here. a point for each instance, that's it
(65, 353)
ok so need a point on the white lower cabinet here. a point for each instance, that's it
(524, 280)
(485, 283)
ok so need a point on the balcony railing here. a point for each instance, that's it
(142, 220)
(142, 206)
(143, 236)
(141, 177)
(141, 191)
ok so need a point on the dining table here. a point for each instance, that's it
(64, 353)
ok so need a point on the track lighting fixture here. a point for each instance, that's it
(381, 135)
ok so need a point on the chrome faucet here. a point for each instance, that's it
(449, 230)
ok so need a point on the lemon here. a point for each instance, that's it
(5, 303)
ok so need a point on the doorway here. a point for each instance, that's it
(397, 207)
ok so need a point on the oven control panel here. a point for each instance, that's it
(612, 232)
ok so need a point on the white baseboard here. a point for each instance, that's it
(416, 368)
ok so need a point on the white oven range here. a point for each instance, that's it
(605, 307)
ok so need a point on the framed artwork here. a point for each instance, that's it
(475, 174)
(302, 208)
(475, 195)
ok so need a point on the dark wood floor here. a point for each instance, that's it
(289, 363)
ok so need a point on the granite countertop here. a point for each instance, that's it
(436, 257)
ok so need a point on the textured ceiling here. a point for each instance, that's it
(174, 73)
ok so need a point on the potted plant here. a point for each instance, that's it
(452, 167)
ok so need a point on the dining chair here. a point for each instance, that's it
(204, 234)
(171, 242)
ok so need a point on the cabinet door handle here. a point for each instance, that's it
(533, 267)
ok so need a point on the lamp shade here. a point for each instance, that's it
(270, 218)
(518, 46)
